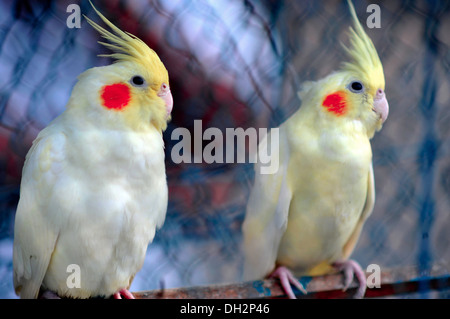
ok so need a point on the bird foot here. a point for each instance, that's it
(125, 293)
(352, 269)
(287, 278)
(47, 294)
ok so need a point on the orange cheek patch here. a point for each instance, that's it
(115, 96)
(335, 103)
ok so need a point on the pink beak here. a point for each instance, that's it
(166, 95)
(380, 105)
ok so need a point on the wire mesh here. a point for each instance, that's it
(239, 64)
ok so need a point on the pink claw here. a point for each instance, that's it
(286, 279)
(125, 293)
(352, 269)
(49, 295)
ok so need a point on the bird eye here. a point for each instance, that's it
(137, 80)
(356, 87)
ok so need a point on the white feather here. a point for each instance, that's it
(90, 197)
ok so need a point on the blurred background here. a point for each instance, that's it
(237, 63)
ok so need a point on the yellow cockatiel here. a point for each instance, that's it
(307, 217)
(94, 186)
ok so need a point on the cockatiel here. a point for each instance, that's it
(94, 186)
(306, 218)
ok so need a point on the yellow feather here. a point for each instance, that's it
(127, 47)
(308, 215)
(364, 57)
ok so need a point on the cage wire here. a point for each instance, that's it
(237, 63)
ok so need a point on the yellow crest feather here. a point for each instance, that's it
(127, 47)
(364, 56)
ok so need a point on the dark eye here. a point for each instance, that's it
(356, 87)
(137, 80)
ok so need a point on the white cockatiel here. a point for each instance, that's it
(307, 217)
(94, 186)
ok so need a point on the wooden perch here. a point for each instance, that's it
(393, 282)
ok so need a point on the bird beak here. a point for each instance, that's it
(380, 105)
(166, 95)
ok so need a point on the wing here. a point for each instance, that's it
(267, 211)
(367, 210)
(35, 230)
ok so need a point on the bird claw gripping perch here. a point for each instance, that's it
(126, 294)
(287, 278)
(352, 269)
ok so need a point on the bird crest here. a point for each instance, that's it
(127, 47)
(364, 58)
